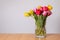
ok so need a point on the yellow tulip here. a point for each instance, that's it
(26, 14)
(31, 12)
(38, 7)
(50, 7)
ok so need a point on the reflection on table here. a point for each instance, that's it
(40, 38)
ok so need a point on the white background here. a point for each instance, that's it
(12, 18)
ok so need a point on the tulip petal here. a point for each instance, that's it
(50, 7)
(44, 13)
(26, 14)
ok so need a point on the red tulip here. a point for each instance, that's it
(44, 13)
(45, 8)
(41, 8)
(37, 11)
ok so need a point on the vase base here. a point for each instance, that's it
(40, 36)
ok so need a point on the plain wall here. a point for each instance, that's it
(12, 18)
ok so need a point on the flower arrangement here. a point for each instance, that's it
(40, 14)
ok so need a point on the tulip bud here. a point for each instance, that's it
(50, 7)
(45, 8)
(37, 11)
(38, 7)
(31, 12)
(44, 13)
(49, 13)
(41, 8)
(26, 14)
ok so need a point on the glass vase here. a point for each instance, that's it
(40, 32)
(40, 23)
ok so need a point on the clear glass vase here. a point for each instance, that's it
(40, 32)
(40, 23)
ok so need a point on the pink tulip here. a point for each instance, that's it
(49, 13)
(45, 8)
(44, 13)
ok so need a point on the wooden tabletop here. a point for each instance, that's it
(28, 37)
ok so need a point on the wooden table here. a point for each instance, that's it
(28, 37)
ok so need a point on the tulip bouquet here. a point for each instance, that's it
(40, 14)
